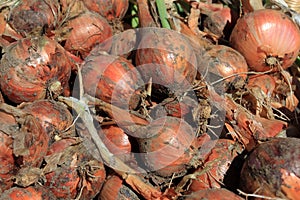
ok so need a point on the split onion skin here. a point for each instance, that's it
(266, 38)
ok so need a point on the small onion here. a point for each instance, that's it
(31, 67)
(266, 38)
(17, 193)
(31, 17)
(110, 9)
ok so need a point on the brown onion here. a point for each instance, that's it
(165, 145)
(80, 34)
(31, 17)
(224, 62)
(266, 38)
(31, 67)
(167, 58)
(272, 169)
(75, 173)
(7, 163)
(54, 116)
(112, 79)
(110, 9)
(213, 194)
(116, 140)
(17, 193)
(113, 188)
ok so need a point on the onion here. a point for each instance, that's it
(17, 193)
(31, 17)
(112, 79)
(166, 144)
(110, 9)
(54, 116)
(272, 169)
(113, 188)
(31, 67)
(170, 64)
(224, 62)
(82, 175)
(266, 38)
(7, 163)
(116, 141)
(220, 193)
(81, 33)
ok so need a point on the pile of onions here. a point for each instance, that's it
(267, 39)
(33, 67)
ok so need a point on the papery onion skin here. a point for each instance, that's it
(83, 32)
(272, 169)
(112, 79)
(170, 64)
(110, 9)
(266, 37)
(53, 116)
(31, 66)
(166, 145)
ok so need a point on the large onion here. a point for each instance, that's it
(170, 64)
(266, 38)
(31, 67)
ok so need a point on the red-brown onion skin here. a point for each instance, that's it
(167, 145)
(268, 167)
(113, 188)
(213, 194)
(110, 9)
(84, 32)
(17, 193)
(54, 116)
(167, 58)
(30, 17)
(266, 33)
(26, 74)
(225, 61)
(112, 79)
(215, 166)
(7, 163)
